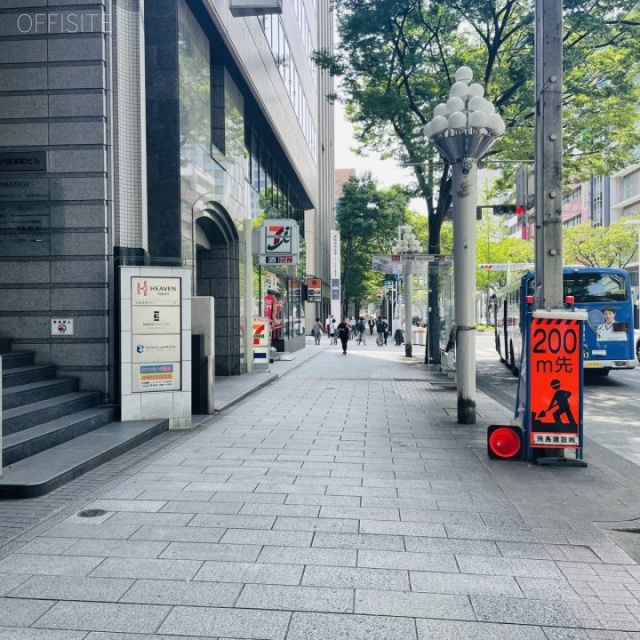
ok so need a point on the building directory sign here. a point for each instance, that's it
(156, 333)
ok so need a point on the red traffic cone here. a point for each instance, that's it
(504, 442)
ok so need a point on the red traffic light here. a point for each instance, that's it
(504, 442)
(519, 210)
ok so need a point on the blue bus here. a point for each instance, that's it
(604, 293)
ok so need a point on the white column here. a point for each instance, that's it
(408, 308)
(465, 197)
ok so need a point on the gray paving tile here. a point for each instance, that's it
(431, 530)
(413, 605)
(356, 578)
(21, 613)
(195, 506)
(15, 633)
(324, 500)
(299, 555)
(464, 584)
(399, 503)
(233, 521)
(8, 582)
(116, 548)
(517, 611)
(92, 616)
(272, 538)
(173, 496)
(246, 572)
(413, 561)
(232, 623)
(48, 565)
(360, 513)
(447, 545)
(442, 517)
(542, 589)
(72, 588)
(96, 531)
(489, 533)
(155, 519)
(47, 546)
(358, 541)
(456, 630)
(508, 567)
(211, 551)
(534, 551)
(287, 598)
(155, 569)
(174, 592)
(136, 506)
(178, 534)
(289, 510)
(352, 627)
(315, 524)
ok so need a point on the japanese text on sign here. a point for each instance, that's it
(556, 410)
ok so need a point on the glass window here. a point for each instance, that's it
(596, 287)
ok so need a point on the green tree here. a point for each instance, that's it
(397, 59)
(367, 219)
(613, 246)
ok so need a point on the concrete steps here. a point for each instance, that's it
(54, 432)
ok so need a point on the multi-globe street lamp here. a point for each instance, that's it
(463, 130)
(407, 244)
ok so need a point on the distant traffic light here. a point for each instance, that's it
(504, 209)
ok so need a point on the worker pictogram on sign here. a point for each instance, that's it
(555, 379)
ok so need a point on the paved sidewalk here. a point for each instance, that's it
(342, 500)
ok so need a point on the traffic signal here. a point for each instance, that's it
(504, 209)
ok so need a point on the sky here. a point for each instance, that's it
(385, 172)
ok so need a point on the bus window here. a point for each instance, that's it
(596, 287)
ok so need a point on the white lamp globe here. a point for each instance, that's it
(464, 74)
(495, 124)
(459, 90)
(455, 104)
(426, 130)
(441, 110)
(438, 125)
(476, 89)
(489, 107)
(477, 119)
(477, 103)
(457, 120)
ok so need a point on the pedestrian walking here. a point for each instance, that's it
(317, 331)
(344, 329)
(372, 324)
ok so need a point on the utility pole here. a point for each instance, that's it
(548, 154)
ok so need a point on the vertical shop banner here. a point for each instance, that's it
(555, 356)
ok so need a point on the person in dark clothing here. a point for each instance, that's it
(372, 324)
(344, 329)
(398, 337)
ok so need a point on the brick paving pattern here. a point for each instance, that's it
(340, 501)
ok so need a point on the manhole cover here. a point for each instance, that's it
(92, 513)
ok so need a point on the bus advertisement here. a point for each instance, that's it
(603, 293)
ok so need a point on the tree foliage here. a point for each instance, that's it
(398, 57)
(368, 220)
(613, 246)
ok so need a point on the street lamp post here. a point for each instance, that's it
(636, 223)
(463, 130)
(407, 244)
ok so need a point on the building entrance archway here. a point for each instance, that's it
(217, 274)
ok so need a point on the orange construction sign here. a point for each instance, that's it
(555, 356)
